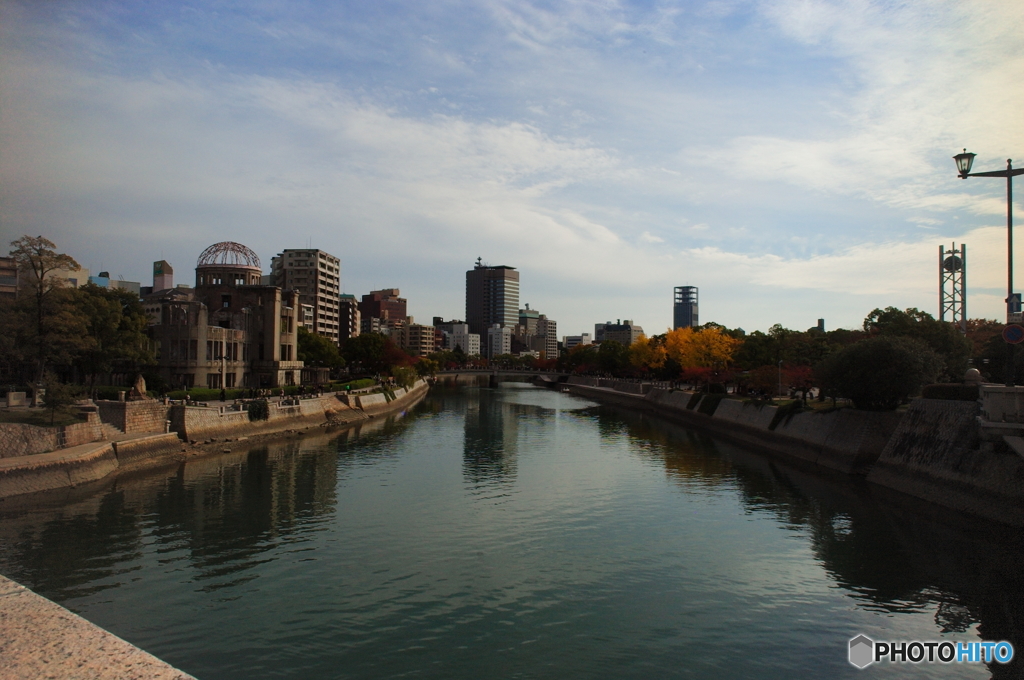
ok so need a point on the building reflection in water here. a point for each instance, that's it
(890, 552)
(490, 440)
(221, 514)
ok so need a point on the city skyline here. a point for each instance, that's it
(792, 158)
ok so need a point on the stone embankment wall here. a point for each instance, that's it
(935, 454)
(135, 416)
(61, 469)
(930, 451)
(19, 439)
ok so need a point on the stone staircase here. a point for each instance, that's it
(110, 432)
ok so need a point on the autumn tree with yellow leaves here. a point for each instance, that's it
(704, 348)
(647, 354)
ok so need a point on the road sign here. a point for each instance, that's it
(1013, 334)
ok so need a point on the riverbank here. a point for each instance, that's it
(195, 430)
(931, 451)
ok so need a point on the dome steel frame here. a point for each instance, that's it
(229, 254)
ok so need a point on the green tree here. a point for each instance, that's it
(58, 396)
(116, 325)
(365, 351)
(52, 329)
(316, 350)
(613, 356)
(880, 373)
(943, 338)
(404, 376)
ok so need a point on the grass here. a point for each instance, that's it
(39, 417)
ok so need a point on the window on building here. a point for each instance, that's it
(193, 350)
(225, 301)
(209, 350)
(229, 380)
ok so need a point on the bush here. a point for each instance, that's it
(709, 404)
(879, 374)
(950, 392)
(259, 409)
(405, 377)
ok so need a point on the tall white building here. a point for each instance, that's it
(499, 340)
(316, 276)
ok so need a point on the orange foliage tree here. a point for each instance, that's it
(646, 354)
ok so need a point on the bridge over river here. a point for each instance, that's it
(492, 376)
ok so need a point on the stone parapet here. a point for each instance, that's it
(41, 639)
(1001, 404)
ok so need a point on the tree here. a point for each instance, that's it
(647, 354)
(365, 351)
(880, 373)
(404, 376)
(580, 359)
(58, 396)
(612, 356)
(426, 366)
(116, 324)
(943, 338)
(705, 348)
(52, 325)
(316, 350)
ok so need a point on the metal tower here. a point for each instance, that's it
(953, 285)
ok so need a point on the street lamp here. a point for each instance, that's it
(964, 161)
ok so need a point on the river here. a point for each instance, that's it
(515, 533)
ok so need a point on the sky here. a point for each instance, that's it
(791, 158)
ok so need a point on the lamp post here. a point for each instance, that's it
(964, 161)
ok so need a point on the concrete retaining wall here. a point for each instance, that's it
(935, 454)
(61, 469)
(141, 451)
(931, 451)
(55, 470)
(846, 440)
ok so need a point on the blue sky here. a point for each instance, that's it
(791, 159)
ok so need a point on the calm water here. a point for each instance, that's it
(515, 533)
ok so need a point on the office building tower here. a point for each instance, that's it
(684, 307)
(316, 277)
(350, 318)
(492, 297)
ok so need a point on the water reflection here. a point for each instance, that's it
(490, 440)
(220, 515)
(890, 552)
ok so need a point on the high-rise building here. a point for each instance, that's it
(684, 307)
(348, 311)
(492, 297)
(536, 333)
(316, 277)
